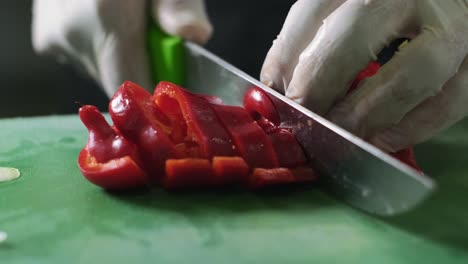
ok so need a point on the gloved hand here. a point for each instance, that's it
(107, 38)
(419, 92)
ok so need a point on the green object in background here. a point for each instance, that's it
(167, 58)
(51, 214)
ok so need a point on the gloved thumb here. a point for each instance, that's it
(184, 18)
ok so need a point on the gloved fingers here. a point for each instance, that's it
(300, 27)
(185, 18)
(123, 59)
(430, 117)
(120, 49)
(49, 30)
(42, 42)
(415, 73)
(346, 42)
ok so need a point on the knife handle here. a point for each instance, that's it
(167, 56)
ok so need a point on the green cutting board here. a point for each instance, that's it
(53, 215)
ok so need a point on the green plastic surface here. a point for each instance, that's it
(53, 215)
(167, 56)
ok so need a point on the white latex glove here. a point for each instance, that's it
(107, 38)
(422, 90)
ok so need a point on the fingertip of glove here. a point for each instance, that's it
(199, 32)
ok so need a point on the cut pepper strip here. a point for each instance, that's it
(288, 150)
(118, 173)
(261, 178)
(258, 103)
(187, 173)
(229, 170)
(250, 140)
(203, 126)
(137, 117)
(108, 159)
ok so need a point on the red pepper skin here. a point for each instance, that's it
(203, 126)
(115, 174)
(261, 108)
(134, 113)
(250, 140)
(108, 160)
(259, 105)
(229, 170)
(288, 150)
(187, 173)
(261, 178)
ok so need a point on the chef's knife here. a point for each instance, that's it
(353, 170)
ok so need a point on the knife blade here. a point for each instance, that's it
(355, 171)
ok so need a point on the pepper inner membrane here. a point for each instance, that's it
(184, 144)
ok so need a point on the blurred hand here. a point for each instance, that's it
(107, 38)
(420, 91)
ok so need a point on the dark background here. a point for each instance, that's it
(33, 85)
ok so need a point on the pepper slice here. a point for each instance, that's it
(187, 173)
(260, 107)
(261, 178)
(288, 150)
(203, 126)
(134, 113)
(118, 173)
(108, 160)
(229, 170)
(250, 140)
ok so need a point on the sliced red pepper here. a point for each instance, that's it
(258, 102)
(118, 173)
(229, 170)
(261, 178)
(259, 105)
(134, 113)
(108, 160)
(250, 140)
(187, 173)
(288, 150)
(203, 126)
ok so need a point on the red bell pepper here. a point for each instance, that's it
(193, 172)
(259, 105)
(108, 159)
(203, 128)
(261, 178)
(187, 173)
(290, 154)
(229, 170)
(186, 140)
(250, 140)
(134, 113)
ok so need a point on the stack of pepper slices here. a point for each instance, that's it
(182, 140)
